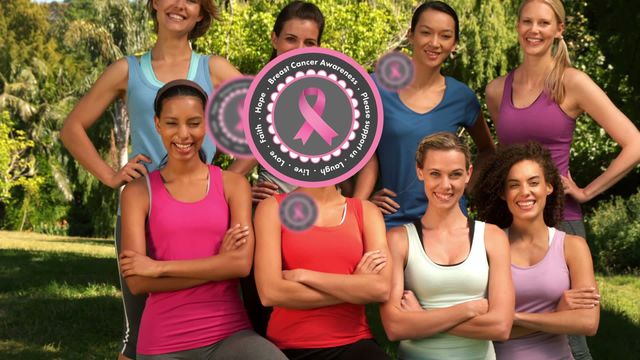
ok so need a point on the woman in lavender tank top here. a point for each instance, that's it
(541, 99)
(520, 190)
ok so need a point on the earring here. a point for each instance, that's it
(452, 54)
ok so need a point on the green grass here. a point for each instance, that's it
(59, 299)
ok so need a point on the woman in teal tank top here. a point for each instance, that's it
(451, 290)
(171, 57)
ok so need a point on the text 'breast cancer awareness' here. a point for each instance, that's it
(313, 117)
(239, 107)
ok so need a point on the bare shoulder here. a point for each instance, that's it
(495, 238)
(576, 245)
(221, 70)
(266, 207)
(575, 79)
(235, 182)
(495, 88)
(397, 239)
(117, 75)
(136, 192)
(370, 210)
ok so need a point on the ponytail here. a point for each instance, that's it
(561, 61)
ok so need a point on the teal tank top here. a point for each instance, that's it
(142, 88)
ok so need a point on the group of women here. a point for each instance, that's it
(511, 286)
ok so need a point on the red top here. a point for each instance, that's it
(330, 249)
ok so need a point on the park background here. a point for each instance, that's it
(59, 296)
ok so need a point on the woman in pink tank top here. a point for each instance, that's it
(179, 247)
(542, 98)
(520, 190)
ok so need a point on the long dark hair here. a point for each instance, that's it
(298, 10)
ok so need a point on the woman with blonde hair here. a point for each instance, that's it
(541, 99)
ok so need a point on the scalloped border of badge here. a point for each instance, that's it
(355, 114)
(375, 94)
(207, 111)
(223, 124)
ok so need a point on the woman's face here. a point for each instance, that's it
(434, 38)
(177, 15)
(538, 26)
(445, 175)
(181, 126)
(526, 190)
(295, 34)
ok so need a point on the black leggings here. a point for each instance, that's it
(363, 349)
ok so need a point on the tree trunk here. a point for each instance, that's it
(121, 131)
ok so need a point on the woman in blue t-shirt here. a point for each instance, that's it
(432, 103)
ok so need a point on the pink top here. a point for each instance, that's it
(538, 290)
(545, 122)
(199, 316)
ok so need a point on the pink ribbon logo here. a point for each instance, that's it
(312, 117)
(395, 70)
(239, 107)
(298, 213)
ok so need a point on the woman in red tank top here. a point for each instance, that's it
(319, 279)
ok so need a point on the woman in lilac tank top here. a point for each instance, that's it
(520, 190)
(187, 239)
(541, 99)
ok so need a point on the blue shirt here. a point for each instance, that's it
(402, 132)
(142, 87)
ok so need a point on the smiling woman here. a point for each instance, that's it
(520, 190)
(451, 290)
(432, 103)
(186, 260)
(135, 80)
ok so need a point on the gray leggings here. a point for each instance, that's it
(244, 344)
(578, 343)
(133, 306)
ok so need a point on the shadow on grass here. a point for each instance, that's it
(617, 338)
(77, 318)
(22, 269)
(85, 242)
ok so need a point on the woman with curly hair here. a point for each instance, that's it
(520, 190)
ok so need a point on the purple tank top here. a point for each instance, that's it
(545, 122)
(535, 296)
(199, 316)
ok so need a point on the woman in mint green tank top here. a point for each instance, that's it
(451, 290)
(176, 23)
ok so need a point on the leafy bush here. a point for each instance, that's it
(615, 234)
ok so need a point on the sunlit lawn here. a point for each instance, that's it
(59, 299)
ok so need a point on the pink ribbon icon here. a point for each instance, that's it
(298, 213)
(239, 107)
(395, 70)
(312, 117)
